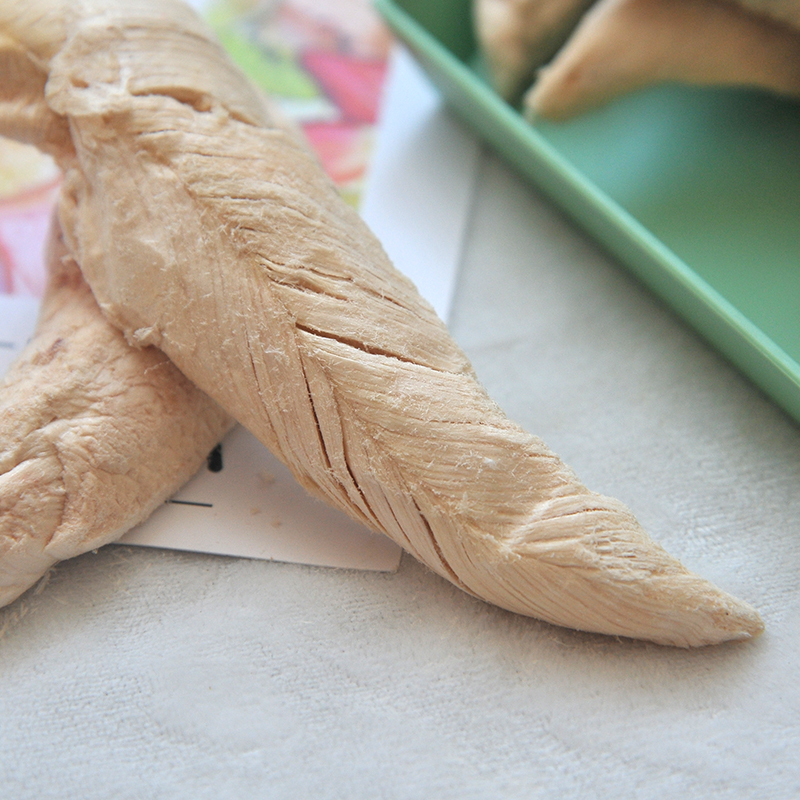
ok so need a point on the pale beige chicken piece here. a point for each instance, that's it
(624, 45)
(94, 434)
(517, 36)
(207, 230)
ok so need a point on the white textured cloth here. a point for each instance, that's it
(139, 674)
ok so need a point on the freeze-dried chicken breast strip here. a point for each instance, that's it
(94, 434)
(624, 45)
(208, 231)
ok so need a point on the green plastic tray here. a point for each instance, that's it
(696, 191)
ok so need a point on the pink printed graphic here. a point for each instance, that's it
(340, 147)
(353, 84)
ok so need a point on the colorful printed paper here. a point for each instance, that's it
(326, 65)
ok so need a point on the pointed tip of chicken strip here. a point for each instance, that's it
(612, 578)
(624, 45)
